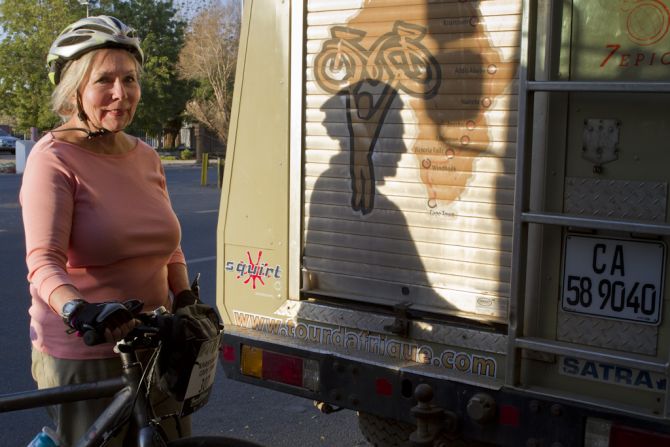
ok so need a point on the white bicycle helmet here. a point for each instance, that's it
(87, 35)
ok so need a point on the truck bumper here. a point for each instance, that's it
(479, 410)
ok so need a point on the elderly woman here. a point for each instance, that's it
(97, 217)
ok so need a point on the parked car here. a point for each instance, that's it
(7, 142)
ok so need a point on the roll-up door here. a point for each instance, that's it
(409, 152)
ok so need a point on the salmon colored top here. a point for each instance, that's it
(102, 223)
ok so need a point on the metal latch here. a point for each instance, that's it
(400, 325)
(600, 141)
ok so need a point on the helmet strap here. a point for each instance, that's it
(80, 110)
(84, 118)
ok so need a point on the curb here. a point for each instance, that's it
(180, 162)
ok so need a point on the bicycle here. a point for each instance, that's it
(130, 406)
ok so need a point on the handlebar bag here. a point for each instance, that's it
(188, 356)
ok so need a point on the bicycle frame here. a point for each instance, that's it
(129, 400)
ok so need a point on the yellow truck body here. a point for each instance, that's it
(468, 195)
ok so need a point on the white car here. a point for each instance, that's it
(7, 142)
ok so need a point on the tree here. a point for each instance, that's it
(164, 94)
(30, 26)
(208, 58)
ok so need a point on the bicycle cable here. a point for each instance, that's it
(148, 375)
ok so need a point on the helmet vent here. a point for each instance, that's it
(93, 27)
(73, 40)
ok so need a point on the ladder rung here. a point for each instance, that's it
(595, 223)
(562, 348)
(597, 86)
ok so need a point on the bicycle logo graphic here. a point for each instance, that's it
(396, 58)
(398, 61)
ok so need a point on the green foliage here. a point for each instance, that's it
(186, 154)
(164, 96)
(30, 26)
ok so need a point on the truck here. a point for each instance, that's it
(451, 217)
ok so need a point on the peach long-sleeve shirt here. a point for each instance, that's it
(102, 223)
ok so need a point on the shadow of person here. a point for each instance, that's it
(358, 244)
(455, 77)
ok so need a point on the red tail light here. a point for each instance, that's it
(621, 436)
(277, 367)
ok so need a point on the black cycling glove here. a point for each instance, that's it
(99, 316)
(184, 298)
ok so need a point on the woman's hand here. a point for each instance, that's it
(112, 320)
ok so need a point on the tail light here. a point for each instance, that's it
(603, 433)
(281, 368)
(622, 436)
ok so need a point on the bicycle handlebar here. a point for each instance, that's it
(151, 325)
(93, 337)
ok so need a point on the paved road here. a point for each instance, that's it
(235, 409)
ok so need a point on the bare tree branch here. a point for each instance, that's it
(208, 57)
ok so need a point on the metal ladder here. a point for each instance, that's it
(524, 218)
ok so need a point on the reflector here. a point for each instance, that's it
(383, 387)
(251, 363)
(510, 415)
(228, 353)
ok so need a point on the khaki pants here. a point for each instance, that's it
(73, 419)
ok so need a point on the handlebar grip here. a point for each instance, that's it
(92, 337)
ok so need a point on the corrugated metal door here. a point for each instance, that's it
(410, 127)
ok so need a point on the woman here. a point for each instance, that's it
(97, 217)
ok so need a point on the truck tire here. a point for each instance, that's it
(383, 432)
(211, 441)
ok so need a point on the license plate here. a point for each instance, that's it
(613, 278)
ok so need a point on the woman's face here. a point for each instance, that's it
(110, 93)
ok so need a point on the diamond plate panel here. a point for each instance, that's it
(616, 199)
(609, 334)
(366, 321)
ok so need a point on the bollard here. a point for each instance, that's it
(219, 170)
(205, 166)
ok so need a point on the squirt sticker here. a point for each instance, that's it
(254, 270)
